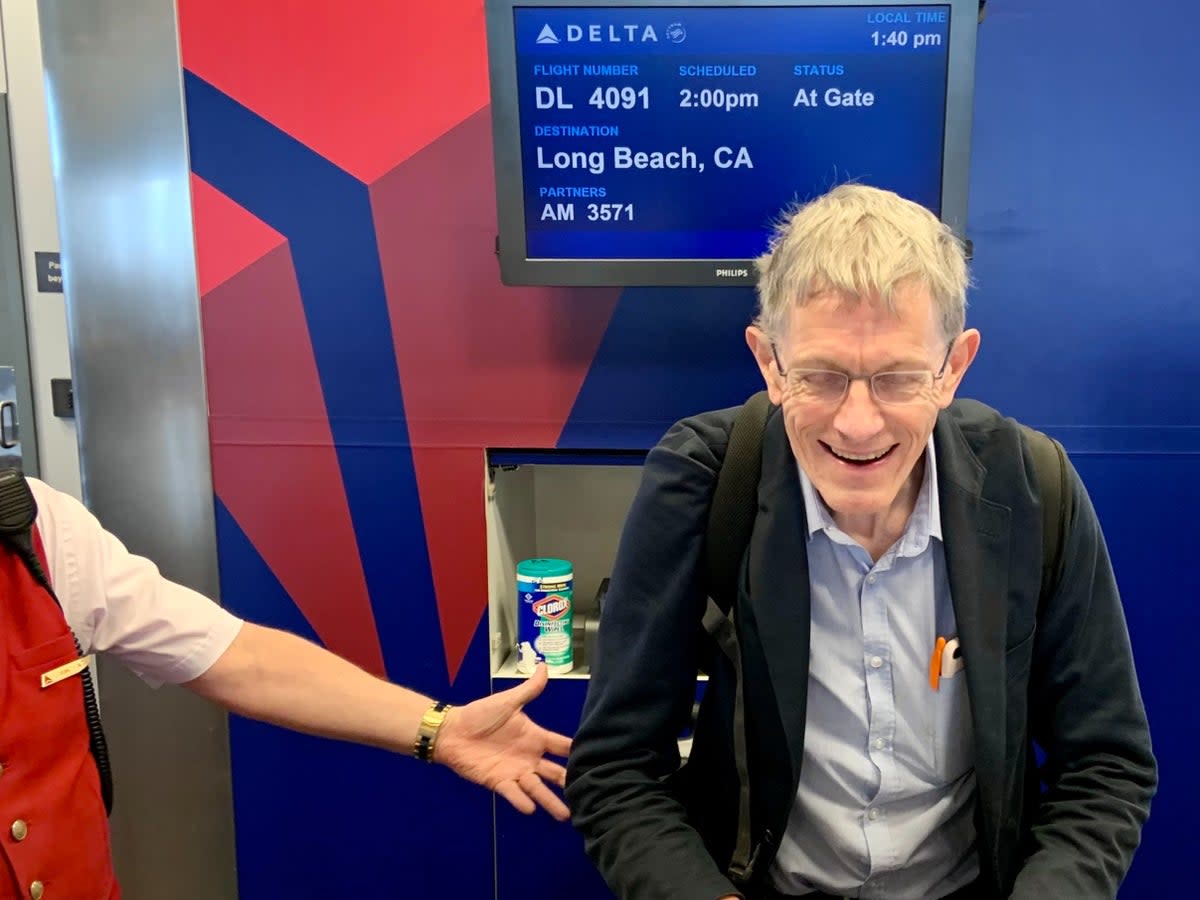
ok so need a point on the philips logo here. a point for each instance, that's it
(552, 607)
(732, 273)
(605, 34)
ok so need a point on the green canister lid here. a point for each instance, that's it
(543, 568)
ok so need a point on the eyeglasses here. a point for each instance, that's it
(829, 387)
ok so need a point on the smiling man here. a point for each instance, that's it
(871, 733)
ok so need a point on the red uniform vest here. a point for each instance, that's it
(53, 830)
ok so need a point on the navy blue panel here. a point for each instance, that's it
(1148, 507)
(1085, 213)
(318, 818)
(668, 352)
(536, 856)
(249, 589)
(315, 817)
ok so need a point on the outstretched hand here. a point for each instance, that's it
(493, 743)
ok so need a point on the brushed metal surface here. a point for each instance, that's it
(117, 130)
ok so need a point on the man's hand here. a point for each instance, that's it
(493, 743)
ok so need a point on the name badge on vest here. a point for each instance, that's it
(74, 667)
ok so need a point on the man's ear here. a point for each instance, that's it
(764, 355)
(966, 345)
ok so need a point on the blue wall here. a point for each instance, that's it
(1084, 216)
(1085, 213)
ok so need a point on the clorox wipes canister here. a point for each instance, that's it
(544, 588)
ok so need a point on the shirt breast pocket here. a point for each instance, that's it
(953, 746)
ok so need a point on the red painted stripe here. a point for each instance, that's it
(274, 463)
(450, 482)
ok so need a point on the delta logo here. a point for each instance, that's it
(552, 607)
(601, 34)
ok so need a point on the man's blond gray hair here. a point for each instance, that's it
(861, 242)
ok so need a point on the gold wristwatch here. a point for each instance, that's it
(427, 731)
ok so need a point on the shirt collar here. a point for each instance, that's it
(924, 523)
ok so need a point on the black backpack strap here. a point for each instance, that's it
(1050, 467)
(18, 512)
(719, 624)
(730, 523)
(735, 500)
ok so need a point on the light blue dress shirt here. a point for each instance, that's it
(887, 790)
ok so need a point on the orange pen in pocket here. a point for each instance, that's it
(935, 663)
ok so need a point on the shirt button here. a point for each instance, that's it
(878, 743)
(872, 814)
(876, 662)
(19, 830)
(36, 889)
(871, 578)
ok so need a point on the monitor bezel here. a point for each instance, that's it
(516, 268)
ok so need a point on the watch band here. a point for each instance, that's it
(427, 731)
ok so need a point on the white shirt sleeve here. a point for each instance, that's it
(119, 603)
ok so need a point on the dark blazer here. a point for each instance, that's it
(1061, 674)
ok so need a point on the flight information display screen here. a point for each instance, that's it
(640, 144)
